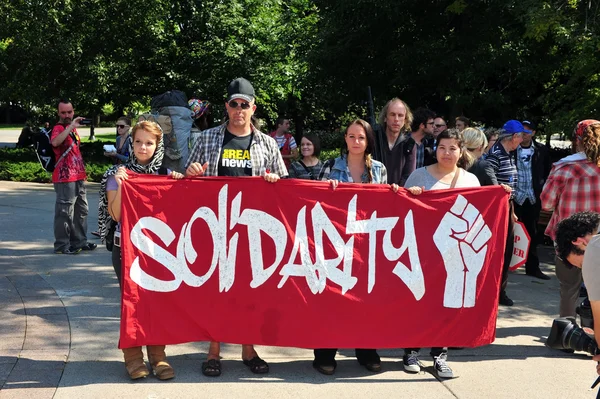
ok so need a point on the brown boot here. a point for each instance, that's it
(134, 363)
(158, 360)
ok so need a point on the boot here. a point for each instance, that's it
(134, 363)
(158, 360)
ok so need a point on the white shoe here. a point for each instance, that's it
(441, 368)
(411, 362)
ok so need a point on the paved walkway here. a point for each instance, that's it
(60, 318)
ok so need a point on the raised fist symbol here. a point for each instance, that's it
(462, 238)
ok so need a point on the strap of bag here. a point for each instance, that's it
(68, 150)
(455, 179)
(312, 177)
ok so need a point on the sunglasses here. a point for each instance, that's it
(234, 104)
(436, 125)
(121, 126)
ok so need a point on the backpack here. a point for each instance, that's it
(45, 151)
(171, 112)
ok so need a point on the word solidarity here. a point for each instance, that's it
(297, 264)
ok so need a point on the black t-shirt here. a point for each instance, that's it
(234, 159)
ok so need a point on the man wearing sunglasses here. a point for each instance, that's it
(236, 148)
(439, 125)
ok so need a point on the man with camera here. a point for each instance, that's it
(71, 209)
(578, 246)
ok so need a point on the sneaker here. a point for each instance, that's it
(505, 300)
(68, 251)
(411, 362)
(441, 368)
(89, 246)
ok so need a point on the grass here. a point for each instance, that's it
(106, 137)
(11, 127)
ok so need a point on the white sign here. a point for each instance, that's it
(521, 247)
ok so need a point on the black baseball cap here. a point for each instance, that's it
(240, 88)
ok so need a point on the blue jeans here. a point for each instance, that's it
(70, 215)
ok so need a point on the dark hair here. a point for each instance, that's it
(370, 144)
(383, 114)
(279, 122)
(463, 119)
(205, 120)
(314, 139)
(63, 101)
(454, 134)
(125, 119)
(491, 132)
(421, 116)
(570, 229)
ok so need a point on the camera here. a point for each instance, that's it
(85, 122)
(566, 334)
(584, 310)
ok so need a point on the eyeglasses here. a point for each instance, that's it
(442, 125)
(122, 126)
(429, 123)
(234, 104)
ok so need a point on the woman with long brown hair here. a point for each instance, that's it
(354, 165)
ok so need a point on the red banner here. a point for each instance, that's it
(294, 263)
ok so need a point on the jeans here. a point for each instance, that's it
(70, 215)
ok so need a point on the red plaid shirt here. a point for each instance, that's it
(571, 187)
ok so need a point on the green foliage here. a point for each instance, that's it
(311, 60)
(21, 164)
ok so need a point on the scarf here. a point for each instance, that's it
(104, 219)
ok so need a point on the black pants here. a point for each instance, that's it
(510, 243)
(116, 261)
(435, 352)
(529, 214)
(326, 357)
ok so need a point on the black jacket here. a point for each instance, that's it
(399, 160)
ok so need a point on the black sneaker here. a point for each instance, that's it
(89, 246)
(68, 251)
(505, 300)
(538, 274)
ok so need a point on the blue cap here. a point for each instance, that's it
(513, 127)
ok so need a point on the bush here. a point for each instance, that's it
(21, 164)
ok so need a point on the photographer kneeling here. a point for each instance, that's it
(578, 245)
